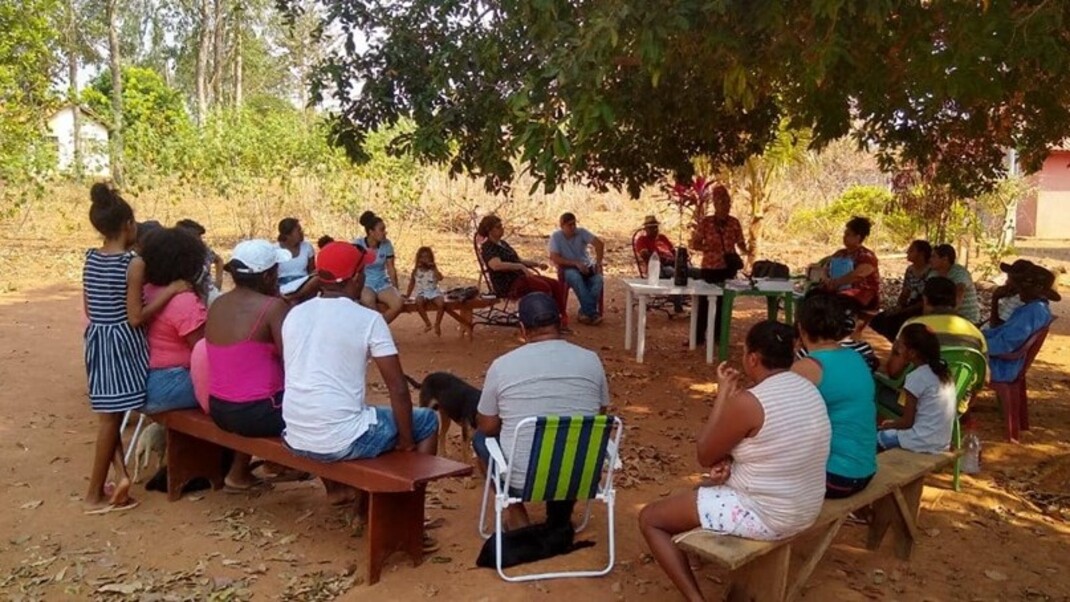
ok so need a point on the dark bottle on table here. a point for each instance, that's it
(680, 267)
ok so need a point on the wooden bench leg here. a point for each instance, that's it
(898, 511)
(188, 458)
(395, 523)
(815, 557)
(762, 579)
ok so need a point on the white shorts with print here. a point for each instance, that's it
(721, 511)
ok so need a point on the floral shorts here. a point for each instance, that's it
(720, 511)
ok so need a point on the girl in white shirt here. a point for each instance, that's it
(929, 414)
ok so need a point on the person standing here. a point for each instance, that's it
(568, 251)
(720, 239)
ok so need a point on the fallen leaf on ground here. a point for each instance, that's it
(32, 504)
(995, 575)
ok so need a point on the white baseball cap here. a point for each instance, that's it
(257, 256)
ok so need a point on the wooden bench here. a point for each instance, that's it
(460, 311)
(758, 570)
(396, 482)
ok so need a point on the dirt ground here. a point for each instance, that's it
(1004, 537)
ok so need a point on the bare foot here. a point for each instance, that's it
(438, 330)
(241, 484)
(121, 495)
(428, 327)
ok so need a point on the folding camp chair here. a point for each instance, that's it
(493, 315)
(968, 367)
(572, 458)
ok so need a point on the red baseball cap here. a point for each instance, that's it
(340, 261)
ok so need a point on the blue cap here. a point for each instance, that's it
(537, 310)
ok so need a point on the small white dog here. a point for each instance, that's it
(152, 442)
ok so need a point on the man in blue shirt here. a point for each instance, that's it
(568, 251)
(1036, 286)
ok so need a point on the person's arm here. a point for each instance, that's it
(1011, 335)
(998, 294)
(391, 271)
(276, 316)
(861, 271)
(904, 293)
(960, 292)
(137, 312)
(559, 260)
(412, 285)
(736, 414)
(438, 275)
(217, 263)
(599, 250)
(698, 240)
(194, 336)
(400, 401)
(311, 267)
(808, 368)
(496, 264)
(487, 419)
(906, 419)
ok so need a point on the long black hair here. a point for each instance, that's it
(919, 339)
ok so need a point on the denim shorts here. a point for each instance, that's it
(168, 389)
(381, 437)
(888, 439)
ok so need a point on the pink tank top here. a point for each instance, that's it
(245, 371)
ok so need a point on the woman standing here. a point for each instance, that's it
(297, 279)
(243, 338)
(720, 238)
(381, 277)
(513, 277)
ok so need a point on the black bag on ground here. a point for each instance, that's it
(462, 293)
(770, 269)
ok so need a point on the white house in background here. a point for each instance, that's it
(93, 143)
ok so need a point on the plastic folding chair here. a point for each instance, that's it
(968, 367)
(1013, 396)
(572, 458)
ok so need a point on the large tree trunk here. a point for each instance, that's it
(218, 46)
(200, 74)
(238, 66)
(116, 66)
(71, 38)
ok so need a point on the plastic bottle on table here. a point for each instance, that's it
(653, 269)
(971, 454)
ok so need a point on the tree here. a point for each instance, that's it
(625, 93)
(115, 63)
(81, 29)
(27, 70)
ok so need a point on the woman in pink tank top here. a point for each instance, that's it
(244, 341)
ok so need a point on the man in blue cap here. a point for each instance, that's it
(546, 376)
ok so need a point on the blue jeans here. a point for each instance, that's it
(588, 290)
(888, 439)
(168, 389)
(380, 437)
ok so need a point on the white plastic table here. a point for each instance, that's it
(638, 289)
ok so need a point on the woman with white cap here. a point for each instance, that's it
(243, 338)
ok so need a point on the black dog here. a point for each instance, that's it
(536, 542)
(453, 399)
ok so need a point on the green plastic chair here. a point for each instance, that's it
(968, 368)
(572, 458)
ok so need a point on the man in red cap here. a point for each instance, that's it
(326, 344)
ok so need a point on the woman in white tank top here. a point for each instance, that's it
(765, 449)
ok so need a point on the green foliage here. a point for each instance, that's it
(27, 68)
(891, 225)
(626, 93)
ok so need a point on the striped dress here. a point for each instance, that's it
(116, 354)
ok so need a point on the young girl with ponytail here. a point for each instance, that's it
(929, 413)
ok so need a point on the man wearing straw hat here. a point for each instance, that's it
(652, 241)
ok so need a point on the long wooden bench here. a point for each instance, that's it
(396, 482)
(461, 311)
(759, 569)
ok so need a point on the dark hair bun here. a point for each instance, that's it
(101, 194)
(368, 219)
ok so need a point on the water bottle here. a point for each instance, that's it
(971, 456)
(653, 269)
(680, 267)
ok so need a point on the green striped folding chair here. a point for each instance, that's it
(572, 458)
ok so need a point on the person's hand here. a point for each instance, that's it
(404, 444)
(727, 380)
(528, 271)
(886, 424)
(179, 286)
(584, 269)
(718, 475)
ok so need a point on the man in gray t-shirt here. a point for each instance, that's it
(568, 251)
(546, 376)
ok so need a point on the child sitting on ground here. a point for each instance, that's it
(929, 414)
(425, 278)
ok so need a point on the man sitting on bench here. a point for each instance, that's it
(326, 343)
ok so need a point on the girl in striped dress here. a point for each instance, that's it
(116, 352)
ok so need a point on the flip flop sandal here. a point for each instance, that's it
(434, 523)
(259, 485)
(130, 504)
(431, 545)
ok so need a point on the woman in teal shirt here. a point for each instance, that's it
(845, 382)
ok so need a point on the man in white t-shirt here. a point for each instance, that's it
(545, 377)
(326, 344)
